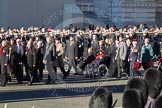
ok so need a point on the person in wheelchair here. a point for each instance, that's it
(99, 66)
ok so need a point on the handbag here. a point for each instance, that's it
(137, 65)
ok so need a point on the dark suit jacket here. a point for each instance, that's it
(50, 51)
(4, 58)
(134, 54)
(39, 58)
(31, 56)
(17, 55)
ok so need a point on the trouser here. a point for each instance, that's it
(61, 68)
(127, 67)
(120, 67)
(40, 73)
(51, 71)
(18, 71)
(0, 66)
(132, 71)
(85, 63)
(3, 75)
(27, 73)
(72, 64)
(144, 65)
(31, 74)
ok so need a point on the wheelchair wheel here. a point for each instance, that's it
(103, 70)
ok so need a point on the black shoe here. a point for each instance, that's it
(3, 85)
(48, 82)
(76, 74)
(86, 76)
(20, 82)
(65, 76)
(40, 79)
(54, 82)
(67, 73)
(9, 79)
(119, 77)
(37, 80)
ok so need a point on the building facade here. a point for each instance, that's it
(18, 13)
(130, 11)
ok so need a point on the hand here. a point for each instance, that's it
(129, 60)
(44, 61)
(66, 58)
(57, 50)
(139, 61)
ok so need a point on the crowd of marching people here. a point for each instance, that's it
(37, 48)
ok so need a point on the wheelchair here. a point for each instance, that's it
(99, 68)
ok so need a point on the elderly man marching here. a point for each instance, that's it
(49, 57)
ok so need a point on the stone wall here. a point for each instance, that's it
(137, 12)
(131, 11)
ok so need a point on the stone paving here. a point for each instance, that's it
(73, 92)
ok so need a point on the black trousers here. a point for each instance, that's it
(71, 64)
(120, 67)
(127, 67)
(4, 75)
(31, 74)
(144, 65)
(61, 68)
(18, 71)
(39, 72)
(86, 62)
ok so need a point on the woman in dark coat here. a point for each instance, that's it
(4, 55)
(134, 56)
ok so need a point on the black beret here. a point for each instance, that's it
(153, 78)
(132, 99)
(101, 98)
